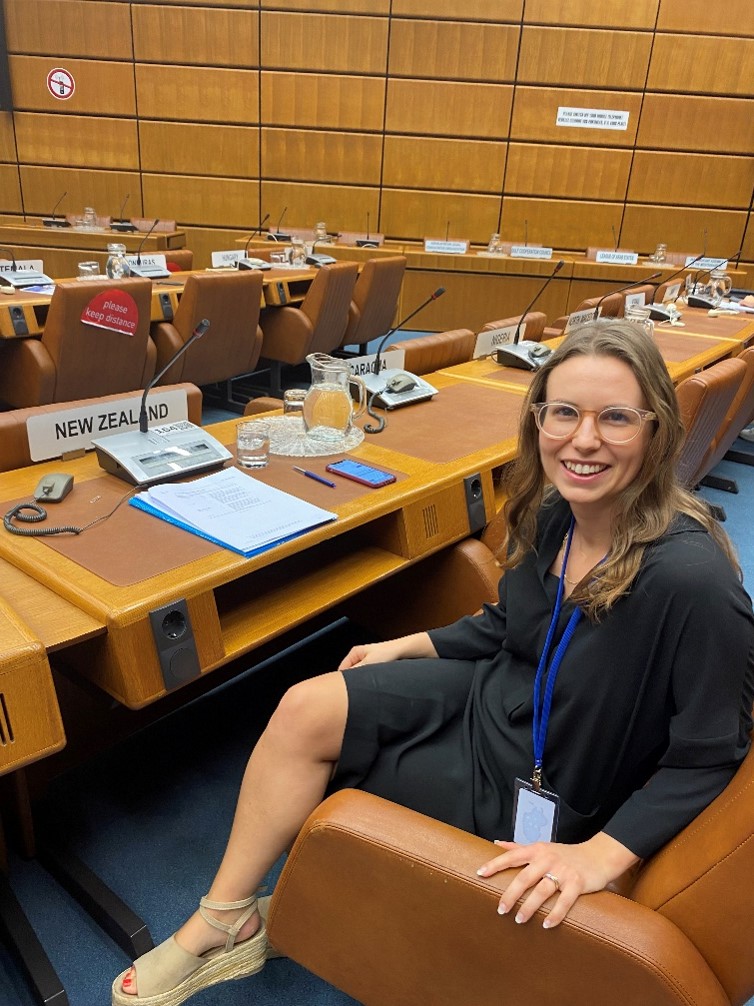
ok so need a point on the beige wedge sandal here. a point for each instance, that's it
(169, 975)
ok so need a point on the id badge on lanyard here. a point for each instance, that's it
(535, 810)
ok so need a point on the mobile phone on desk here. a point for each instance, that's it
(359, 472)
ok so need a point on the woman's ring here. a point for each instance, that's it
(553, 878)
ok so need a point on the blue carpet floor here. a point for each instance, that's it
(151, 816)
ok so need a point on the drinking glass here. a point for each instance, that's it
(253, 443)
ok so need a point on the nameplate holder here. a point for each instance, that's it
(487, 342)
(617, 257)
(440, 247)
(703, 264)
(580, 318)
(634, 300)
(530, 251)
(62, 432)
(389, 360)
(22, 265)
(672, 293)
(152, 266)
(226, 259)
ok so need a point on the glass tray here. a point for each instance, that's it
(288, 438)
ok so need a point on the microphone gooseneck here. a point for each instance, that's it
(52, 215)
(536, 297)
(141, 243)
(5, 248)
(629, 286)
(121, 218)
(380, 420)
(277, 227)
(257, 230)
(198, 332)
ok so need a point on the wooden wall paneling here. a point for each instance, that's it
(221, 202)
(645, 226)
(703, 64)
(736, 19)
(535, 113)
(104, 190)
(77, 140)
(335, 43)
(584, 57)
(419, 214)
(691, 179)
(430, 163)
(444, 108)
(198, 149)
(204, 240)
(473, 299)
(342, 207)
(322, 156)
(204, 94)
(322, 101)
(586, 13)
(69, 28)
(576, 172)
(338, 6)
(7, 138)
(102, 88)
(190, 35)
(748, 248)
(10, 189)
(472, 10)
(560, 223)
(453, 50)
(686, 122)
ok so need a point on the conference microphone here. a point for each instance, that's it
(380, 420)
(527, 355)
(622, 289)
(198, 332)
(277, 234)
(5, 248)
(615, 238)
(143, 240)
(695, 299)
(15, 278)
(366, 242)
(54, 221)
(257, 230)
(121, 224)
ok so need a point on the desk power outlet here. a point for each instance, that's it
(176, 646)
(472, 486)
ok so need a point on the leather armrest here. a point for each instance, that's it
(385, 904)
(265, 403)
(27, 375)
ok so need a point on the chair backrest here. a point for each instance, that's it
(740, 413)
(704, 400)
(156, 226)
(648, 289)
(14, 437)
(375, 299)
(327, 303)
(90, 361)
(611, 306)
(440, 349)
(231, 302)
(535, 325)
(701, 881)
(179, 259)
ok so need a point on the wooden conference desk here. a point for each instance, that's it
(112, 577)
(62, 248)
(281, 287)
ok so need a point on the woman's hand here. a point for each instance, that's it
(416, 645)
(551, 868)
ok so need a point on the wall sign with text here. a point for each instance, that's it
(591, 118)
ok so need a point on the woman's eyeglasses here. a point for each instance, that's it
(615, 425)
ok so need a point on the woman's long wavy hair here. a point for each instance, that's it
(648, 505)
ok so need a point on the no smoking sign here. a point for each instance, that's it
(60, 83)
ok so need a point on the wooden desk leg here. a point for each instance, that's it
(21, 939)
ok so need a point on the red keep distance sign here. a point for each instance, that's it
(114, 310)
(60, 83)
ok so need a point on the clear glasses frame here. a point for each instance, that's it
(620, 435)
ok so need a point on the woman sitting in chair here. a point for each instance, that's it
(579, 723)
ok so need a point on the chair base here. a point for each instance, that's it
(22, 941)
(740, 457)
(719, 482)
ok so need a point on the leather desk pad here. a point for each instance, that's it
(676, 345)
(131, 545)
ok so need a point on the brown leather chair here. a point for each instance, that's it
(740, 413)
(704, 400)
(648, 289)
(14, 438)
(535, 325)
(375, 300)
(316, 326)
(76, 360)
(385, 904)
(426, 353)
(179, 260)
(156, 226)
(231, 301)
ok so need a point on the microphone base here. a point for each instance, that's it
(659, 313)
(523, 355)
(694, 300)
(55, 222)
(123, 226)
(366, 243)
(278, 236)
(246, 263)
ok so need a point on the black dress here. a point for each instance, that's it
(650, 715)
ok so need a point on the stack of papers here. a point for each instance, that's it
(233, 510)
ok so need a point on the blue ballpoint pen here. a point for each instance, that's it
(313, 475)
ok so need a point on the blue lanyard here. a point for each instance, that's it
(542, 719)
